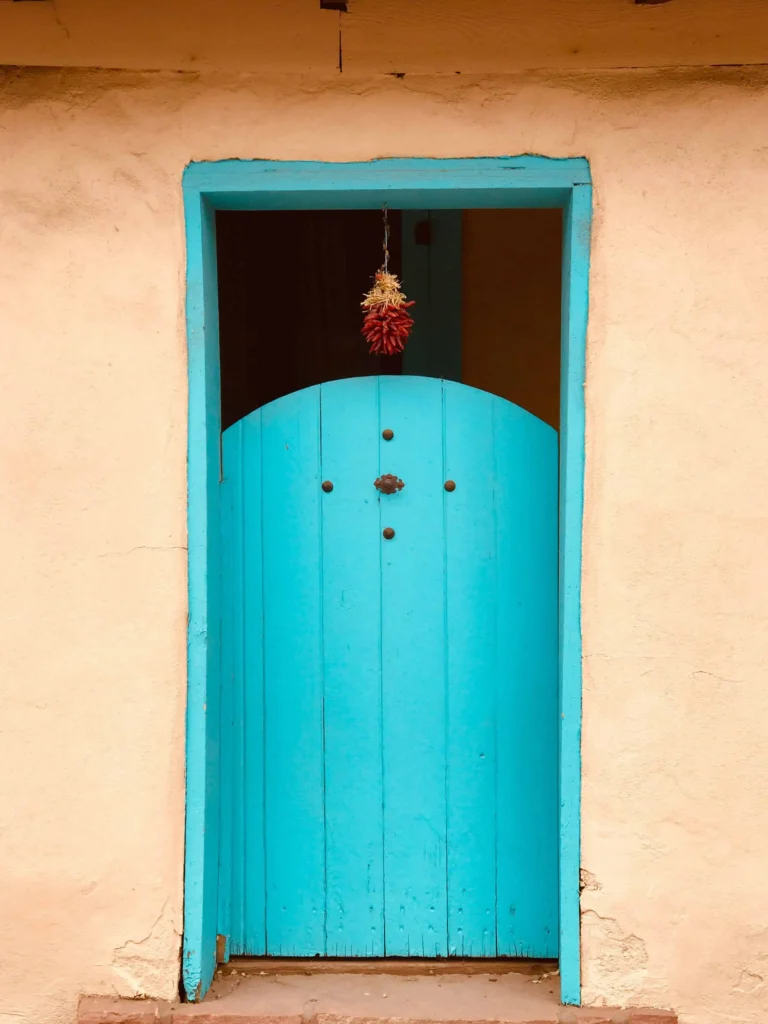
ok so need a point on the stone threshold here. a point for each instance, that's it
(296, 992)
(263, 965)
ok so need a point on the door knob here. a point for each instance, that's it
(388, 484)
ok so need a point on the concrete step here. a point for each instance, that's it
(245, 994)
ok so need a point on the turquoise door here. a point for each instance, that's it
(390, 705)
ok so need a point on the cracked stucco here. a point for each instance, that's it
(674, 834)
(147, 966)
(623, 956)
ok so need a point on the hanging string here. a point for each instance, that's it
(387, 323)
(386, 238)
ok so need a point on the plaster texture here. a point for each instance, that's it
(92, 541)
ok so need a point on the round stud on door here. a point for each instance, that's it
(387, 434)
(327, 486)
(388, 533)
(450, 485)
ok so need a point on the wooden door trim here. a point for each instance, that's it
(471, 183)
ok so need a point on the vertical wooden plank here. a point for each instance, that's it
(226, 802)
(231, 647)
(293, 705)
(470, 539)
(253, 875)
(413, 667)
(527, 720)
(233, 746)
(241, 868)
(352, 668)
(576, 247)
(432, 273)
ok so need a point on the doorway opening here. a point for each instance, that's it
(413, 186)
(487, 286)
(390, 650)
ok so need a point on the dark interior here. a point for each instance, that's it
(290, 288)
(486, 284)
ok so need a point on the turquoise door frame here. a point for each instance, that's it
(407, 184)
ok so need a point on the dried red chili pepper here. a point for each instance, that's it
(387, 323)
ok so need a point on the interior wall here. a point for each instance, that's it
(511, 285)
(93, 603)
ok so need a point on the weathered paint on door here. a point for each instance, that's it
(391, 786)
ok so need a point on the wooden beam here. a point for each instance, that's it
(396, 37)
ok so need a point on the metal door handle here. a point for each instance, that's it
(388, 484)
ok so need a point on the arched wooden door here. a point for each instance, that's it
(390, 705)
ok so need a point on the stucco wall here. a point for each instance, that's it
(675, 834)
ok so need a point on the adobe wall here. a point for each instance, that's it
(92, 544)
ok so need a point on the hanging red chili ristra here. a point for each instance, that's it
(387, 323)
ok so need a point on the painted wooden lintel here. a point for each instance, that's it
(418, 183)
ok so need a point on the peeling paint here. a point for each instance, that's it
(588, 882)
